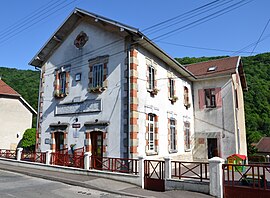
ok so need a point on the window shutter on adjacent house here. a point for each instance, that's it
(201, 98)
(218, 97)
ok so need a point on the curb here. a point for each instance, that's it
(72, 182)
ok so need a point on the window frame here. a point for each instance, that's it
(173, 137)
(210, 98)
(187, 136)
(186, 96)
(151, 77)
(62, 82)
(151, 132)
(97, 75)
(171, 87)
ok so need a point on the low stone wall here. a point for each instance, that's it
(133, 179)
(188, 185)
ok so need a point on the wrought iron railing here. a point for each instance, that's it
(122, 165)
(6, 153)
(39, 157)
(190, 170)
(63, 158)
(247, 176)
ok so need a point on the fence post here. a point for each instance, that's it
(48, 157)
(168, 167)
(19, 153)
(87, 160)
(216, 176)
(141, 170)
(267, 158)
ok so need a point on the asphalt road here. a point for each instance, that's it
(21, 186)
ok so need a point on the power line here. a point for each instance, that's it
(208, 17)
(27, 27)
(202, 11)
(178, 16)
(24, 20)
(195, 47)
(260, 36)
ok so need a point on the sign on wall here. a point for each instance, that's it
(75, 108)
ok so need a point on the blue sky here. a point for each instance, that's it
(27, 25)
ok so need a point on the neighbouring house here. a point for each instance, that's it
(108, 88)
(219, 115)
(15, 116)
(263, 146)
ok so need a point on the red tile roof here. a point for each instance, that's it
(223, 66)
(263, 145)
(7, 90)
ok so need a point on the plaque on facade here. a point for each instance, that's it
(76, 108)
(47, 141)
(76, 125)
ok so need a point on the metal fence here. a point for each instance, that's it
(190, 170)
(6, 153)
(122, 165)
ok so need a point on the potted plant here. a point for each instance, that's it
(154, 91)
(59, 94)
(187, 105)
(173, 99)
(97, 89)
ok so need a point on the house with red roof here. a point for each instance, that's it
(263, 146)
(219, 119)
(15, 116)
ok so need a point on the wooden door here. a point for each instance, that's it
(212, 146)
(59, 141)
(97, 149)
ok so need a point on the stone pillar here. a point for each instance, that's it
(19, 153)
(168, 167)
(48, 157)
(267, 158)
(87, 160)
(216, 176)
(141, 170)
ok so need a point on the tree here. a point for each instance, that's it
(28, 141)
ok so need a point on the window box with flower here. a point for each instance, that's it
(153, 91)
(173, 99)
(97, 89)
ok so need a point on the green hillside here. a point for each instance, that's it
(257, 98)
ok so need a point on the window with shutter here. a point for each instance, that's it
(187, 135)
(210, 98)
(98, 74)
(61, 84)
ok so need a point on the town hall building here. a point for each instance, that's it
(107, 88)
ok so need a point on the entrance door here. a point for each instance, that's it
(97, 149)
(59, 141)
(212, 147)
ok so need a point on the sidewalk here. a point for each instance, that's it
(101, 184)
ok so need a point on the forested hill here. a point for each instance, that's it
(25, 82)
(257, 98)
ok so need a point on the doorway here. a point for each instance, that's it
(212, 146)
(59, 141)
(97, 149)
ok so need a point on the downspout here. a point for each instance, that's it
(38, 110)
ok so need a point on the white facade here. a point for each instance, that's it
(110, 106)
(15, 119)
